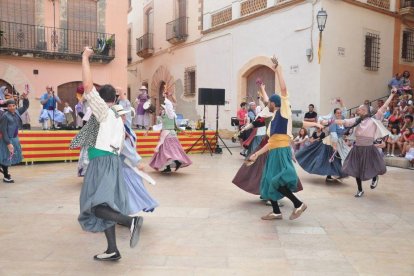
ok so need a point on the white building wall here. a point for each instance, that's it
(346, 76)
(222, 53)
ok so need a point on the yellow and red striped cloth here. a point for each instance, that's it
(54, 145)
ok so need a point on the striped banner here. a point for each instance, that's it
(46, 146)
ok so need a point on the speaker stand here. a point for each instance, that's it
(203, 136)
(217, 135)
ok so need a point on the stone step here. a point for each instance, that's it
(398, 162)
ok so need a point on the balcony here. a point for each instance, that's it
(54, 43)
(407, 9)
(145, 45)
(177, 30)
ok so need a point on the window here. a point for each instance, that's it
(83, 15)
(18, 11)
(150, 21)
(190, 81)
(407, 51)
(129, 46)
(372, 51)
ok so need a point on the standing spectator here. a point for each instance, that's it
(242, 114)
(405, 81)
(243, 118)
(368, 104)
(67, 110)
(311, 116)
(252, 111)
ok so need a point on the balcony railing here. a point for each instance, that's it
(145, 47)
(53, 43)
(407, 9)
(177, 30)
(407, 4)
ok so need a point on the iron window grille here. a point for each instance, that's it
(407, 51)
(372, 51)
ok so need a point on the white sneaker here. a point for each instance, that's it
(388, 155)
(392, 155)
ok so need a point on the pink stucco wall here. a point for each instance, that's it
(18, 71)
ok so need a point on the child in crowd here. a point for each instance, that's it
(392, 140)
(67, 110)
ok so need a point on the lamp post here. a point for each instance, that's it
(321, 19)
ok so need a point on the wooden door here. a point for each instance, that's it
(267, 75)
(67, 93)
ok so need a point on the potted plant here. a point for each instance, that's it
(107, 45)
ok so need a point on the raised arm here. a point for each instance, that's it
(25, 106)
(381, 111)
(86, 70)
(97, 104)
(263, 94)
(279, 74)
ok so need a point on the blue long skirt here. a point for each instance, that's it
(315, 160)
(16, 158)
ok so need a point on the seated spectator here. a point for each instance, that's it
(301, 140)
(408, 123)
(396, 118)
(410, 152)
(404, 140)
(392, 140)
(317, 135)
(410, 110)
(395, 82)
(311, 116)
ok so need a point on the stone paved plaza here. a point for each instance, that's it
(207, 226)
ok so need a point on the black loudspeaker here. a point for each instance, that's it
(210, 96)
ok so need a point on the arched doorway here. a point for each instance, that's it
(267, 75)
(67, 93)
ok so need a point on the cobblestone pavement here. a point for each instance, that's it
(207, 226)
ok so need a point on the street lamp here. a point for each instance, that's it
(321, 19)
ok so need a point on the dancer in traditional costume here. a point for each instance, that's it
(49, 111)
(325, 156)
(364, 161)
(104, 197)
(139, 198)
(169, 153)
(279, 177)
(10, 149)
